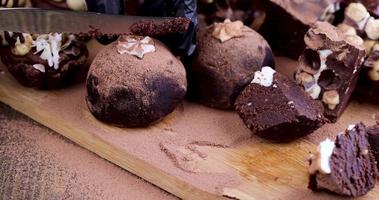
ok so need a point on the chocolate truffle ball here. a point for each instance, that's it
(44, 61)
(134, 82)
(227, 56)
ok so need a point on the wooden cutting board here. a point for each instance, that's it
(194, 153)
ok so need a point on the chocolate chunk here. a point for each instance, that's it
(329, 67)
(130, 89)
(279, 110)
(346, 167)
(373, 138)
(287, 21)
(220, 70)
(31, 70)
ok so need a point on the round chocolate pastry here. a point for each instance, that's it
(44, 61)
(77, 5)
(227, 56)
(134, 82)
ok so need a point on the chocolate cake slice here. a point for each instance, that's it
(345, 167)
(373, 138)
(329, 67)
(287, 21)
(274, 107)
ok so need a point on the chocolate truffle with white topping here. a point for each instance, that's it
(135, 82)
(329, 67)
(227, 56)
(274, 107)
(345, 166)
(44, 61)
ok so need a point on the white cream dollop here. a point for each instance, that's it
(136, 46)
(320, 161)
(265, 77)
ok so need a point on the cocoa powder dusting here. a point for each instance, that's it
(36, 163)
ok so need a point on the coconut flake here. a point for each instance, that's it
(264, 77)
(40, 67)
(49, 45)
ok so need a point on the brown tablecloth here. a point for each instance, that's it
(37, 163)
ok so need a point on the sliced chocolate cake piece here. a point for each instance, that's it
(345, 167)
(287, 21)
(373, 138)
(274, 107)
(329, 67)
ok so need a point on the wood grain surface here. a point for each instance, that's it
(194, 153)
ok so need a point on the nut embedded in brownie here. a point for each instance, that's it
(274, 107)
(329, 67)
(345, 167)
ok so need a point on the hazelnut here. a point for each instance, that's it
(227, 30)
(369, 44)
(356, 12)
(354, 39)
(347, 29)
(331, 99)
(372, 28)
(21, 49)
(375, 47)
(314, 91)
(78, 5)
(373, 73)
(304, 78)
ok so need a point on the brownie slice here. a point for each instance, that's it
(373, 138)
(347, 166)
(329, 67)
(287, 21)
(274, 107)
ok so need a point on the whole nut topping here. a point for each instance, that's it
(227, 30)
(356, 12)
(78, 5)
(331, 99)
(372, 28)
(354, 40)
(374, 72)
(369, 44)
(314, 91)
(304, 78)
(347, 29)
(21, 49)
(375, 47)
